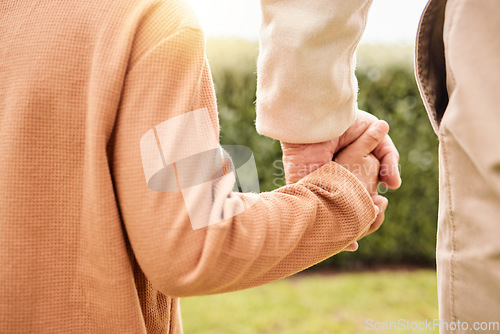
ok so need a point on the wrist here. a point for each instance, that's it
(300, 160)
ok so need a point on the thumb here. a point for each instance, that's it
(370, 139)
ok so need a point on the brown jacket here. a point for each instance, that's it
(85, 245)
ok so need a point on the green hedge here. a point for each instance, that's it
(387, 89)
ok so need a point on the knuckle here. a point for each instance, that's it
(373, 136)
(396, 153)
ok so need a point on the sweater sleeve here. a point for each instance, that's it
(307, 89)
(281, 233)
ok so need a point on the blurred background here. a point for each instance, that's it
(392, 275)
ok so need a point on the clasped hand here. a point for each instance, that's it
(365, 149)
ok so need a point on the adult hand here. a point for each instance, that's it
(386, 152)
(359, 159)
(302, 159)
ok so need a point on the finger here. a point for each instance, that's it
(382, 203)
(388, 155)
(352, 247)
(389, 171)
(371, 138)
(385, 147)
(363, 121)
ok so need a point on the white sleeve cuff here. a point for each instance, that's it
(307, 89)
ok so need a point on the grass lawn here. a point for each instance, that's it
(318, 303)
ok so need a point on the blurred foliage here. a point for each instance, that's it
(304, 303)
(388, 90)
(233, 64)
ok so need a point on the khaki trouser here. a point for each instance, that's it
(458, 70)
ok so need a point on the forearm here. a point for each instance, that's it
(307, 89)
(284, 232)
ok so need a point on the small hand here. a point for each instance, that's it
(381, 203)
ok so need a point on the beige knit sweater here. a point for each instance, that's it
(85, 245)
